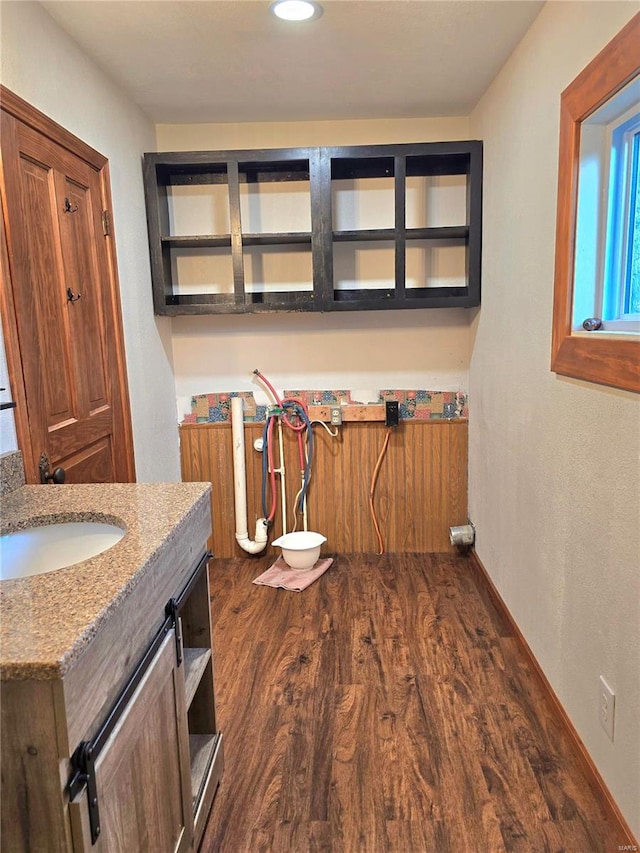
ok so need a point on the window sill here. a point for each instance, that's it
(609, 359)
(608, 334)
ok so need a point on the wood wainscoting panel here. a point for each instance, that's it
(421, 489)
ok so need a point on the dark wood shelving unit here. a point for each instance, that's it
(416, 275)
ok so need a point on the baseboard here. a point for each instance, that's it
(594, 778)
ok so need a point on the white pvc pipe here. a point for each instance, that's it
(283, 485)
(240, 486)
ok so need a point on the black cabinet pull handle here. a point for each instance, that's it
(71, 296)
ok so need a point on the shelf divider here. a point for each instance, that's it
(236, 231)
(198, 241)
(400, 193)
(202, 748)
(280, 239)
(195, 663)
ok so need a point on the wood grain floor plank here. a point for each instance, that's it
(386, 709)
(356, 801)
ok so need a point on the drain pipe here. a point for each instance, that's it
(240, 486)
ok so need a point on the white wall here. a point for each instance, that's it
(8, 439)
(554, 478)
(282, 134)
(378, 349)
(44, 66)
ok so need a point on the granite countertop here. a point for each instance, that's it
(47, 620)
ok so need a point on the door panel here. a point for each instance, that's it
(41, 304)
(92, 464)
(89, 457)
(81, 276)
(143, 771)
(66, 321)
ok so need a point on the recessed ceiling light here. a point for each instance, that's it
(296, 10)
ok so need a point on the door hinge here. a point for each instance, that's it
(106, 223)
(171, 611)
(84, 774)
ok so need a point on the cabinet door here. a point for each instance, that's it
(143, 771)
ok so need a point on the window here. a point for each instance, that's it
(598, 224)
(622, 292)
(607, 259)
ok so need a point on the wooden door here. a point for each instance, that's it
(61, 304)
(143, 776)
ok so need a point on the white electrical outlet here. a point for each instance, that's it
(606, 707)
(336, 416)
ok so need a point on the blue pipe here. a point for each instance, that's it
(298, 410)
(265, 465)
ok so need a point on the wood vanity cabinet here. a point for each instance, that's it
(145, 778)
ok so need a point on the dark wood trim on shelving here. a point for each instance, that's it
(474, 223)
(366, 235)
(400, 216)
(289, 239)
(236, 232)
(591, 772)
(197, 241)
(295, 301)
(321, 216)
(384, 299)
(445, 232)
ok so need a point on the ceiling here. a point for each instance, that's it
(222, 61)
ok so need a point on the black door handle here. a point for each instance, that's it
(46, 476)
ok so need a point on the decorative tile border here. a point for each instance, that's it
(216, 408)
(321, 398)
(425, 405)
(414, 405)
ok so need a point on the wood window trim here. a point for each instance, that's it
(600, 359)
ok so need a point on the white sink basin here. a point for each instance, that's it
(38, 550)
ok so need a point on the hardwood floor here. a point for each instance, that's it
(386, 709)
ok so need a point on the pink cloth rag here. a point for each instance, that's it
(280, 575)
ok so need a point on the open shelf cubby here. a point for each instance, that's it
(205, 739)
